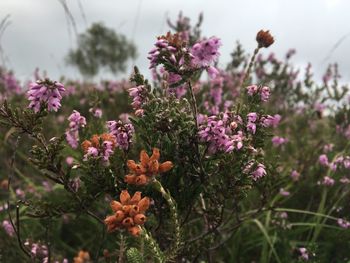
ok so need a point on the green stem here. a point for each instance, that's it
(152, 246)
(174, 248)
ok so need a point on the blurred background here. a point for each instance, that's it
(40, 33)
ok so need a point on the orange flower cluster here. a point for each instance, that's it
(128, 213)
(96, 139)
(83, 257)
(141, 173)
(264, 39)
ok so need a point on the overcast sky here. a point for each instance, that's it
(39, 37)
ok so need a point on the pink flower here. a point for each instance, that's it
(8, 228)
(252, 89)
(323, 160)
(264, 94)
(295, 175)
(277, 141)
(284, 192)
(205, 52)
(259, 172)
(343, 223)
(328, 181)
(76, 121)
(45, 92)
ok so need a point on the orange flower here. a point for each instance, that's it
(82, 257)
(128, 213)
(264, 38)
(149, 166)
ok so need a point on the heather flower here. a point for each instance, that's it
(295, 175)
(323, 160)
(251, 125)
(343, 223)
(99, 146)
(129, 213)
(284, 192)
(259, 172)
(8, 228)
(264, 93)
(328, 181)
(328, 148)
(277, 141)
(45, 92)
(37, 250)
(139, 96)
(252, 90)
(10, 83)
(69, 160)
(96, 112)
(122, 132)
(148, 167)
(304, 255)
(76, 121)
(344, 180)
(205, 52)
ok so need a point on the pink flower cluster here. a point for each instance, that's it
(105, 151)
(164, 52)
(259, 172)
(8, 228)
(304, 255)
(76, 121)
(123, 133)
(45, 92)
(139, 95)
(264, 92)
(343, 223)
(10, 83)
(205, 52)
(220, 134)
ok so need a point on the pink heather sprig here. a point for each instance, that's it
(123, 133)
(278, 141)
(252, 119)
(220, 135)
(8, 228)
(259, 172)
(343, 223)
(263, 92)
(170, 51)
(139, 97)
(304, 255)
(10, 83)
(45, 92)
(206, 52)
(76, 121)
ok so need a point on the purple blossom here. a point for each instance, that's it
(91, 152)
(284, 192)
(295, 175)
(76, 121)
(45, 91)
(323, 160)
(278, 141)
(139, 95)
(252, 90)
(259, 172)
(123, 133)
(205, 52)
(343, 223)
(8, 228)
(304, 255)
(328, 181)
(216, 132)
(96, 112)
(264, 94)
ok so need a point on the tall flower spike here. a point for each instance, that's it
(149, 166)
(129, 213)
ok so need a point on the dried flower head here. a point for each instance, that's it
(129, 213)
(264, 38)
(149, 166)
(82, 257)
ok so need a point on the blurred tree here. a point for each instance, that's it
(101, 47)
